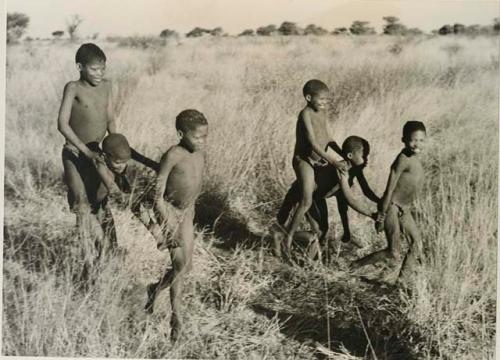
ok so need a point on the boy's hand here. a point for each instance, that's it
(340, 166)
(379, 222)
(95, 157)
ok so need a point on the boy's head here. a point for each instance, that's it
(356, 150)
(316, 93)
(192, 127)
(414, 135)
(117, 152)
(91, 62)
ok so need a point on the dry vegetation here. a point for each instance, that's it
(240, 302)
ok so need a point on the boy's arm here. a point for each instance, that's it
(111, 111)
(64, 127)
(367, 191)
(350, 198)
(145, 160)
(312, 140)
(167, 163)
(397, 169)
(335, 147)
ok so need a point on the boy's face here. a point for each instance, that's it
(93, 71)
(318, 101)
(116, 165)
(195, 139)
(416, 142)
(358, 157)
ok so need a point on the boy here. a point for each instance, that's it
(84, 116)
(331, 182)
(405, 179)
(310, 150)
(178, 185)
(106, 178)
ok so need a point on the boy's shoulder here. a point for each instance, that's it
(173, 152)
(402, 159)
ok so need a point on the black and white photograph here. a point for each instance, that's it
(250, 179)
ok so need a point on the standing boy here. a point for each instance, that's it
(405, 179)
(84, 117)
(178, 185)
(310, 151)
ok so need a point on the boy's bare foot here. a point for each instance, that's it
(151, 298)
(175, 329)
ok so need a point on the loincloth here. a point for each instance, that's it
(87, 172)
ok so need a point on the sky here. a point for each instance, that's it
(149, 17)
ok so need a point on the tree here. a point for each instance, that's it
(17, 23)
(57, 34)
(361, 28)
(72, 25)
(197, 32)
(167, 33)
(458, 29)
(289, 28)
(340, 31)
(496, 25)
(312, 29)
(445, 30)
(267, 30)
(218, 31)
(247, 32)
(393, 26)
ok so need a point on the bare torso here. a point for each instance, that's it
(303, 147)
(89, 111)
(185, 179)
(410, 181)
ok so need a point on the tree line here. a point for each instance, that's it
(17, 24)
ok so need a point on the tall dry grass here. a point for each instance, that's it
(240, 303)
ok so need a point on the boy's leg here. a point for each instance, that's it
(291, 199)
(414, 256)
(392, 233)
(305, 177)
(78, 202)
(108, 242)
(343, 207)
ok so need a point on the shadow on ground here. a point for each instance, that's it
(214, 213)
(300, 306)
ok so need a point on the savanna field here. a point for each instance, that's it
(241, 302)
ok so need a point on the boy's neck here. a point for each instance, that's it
(183, 145)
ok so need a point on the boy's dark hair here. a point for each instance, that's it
(89, 52)
(410, 127)
(354, 143)
(189, 120)
(117, 146)
(313, 87)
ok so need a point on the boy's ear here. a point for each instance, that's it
(180, 133)
(349, 155)
(79, 66)
(308, 97)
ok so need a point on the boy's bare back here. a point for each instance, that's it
(89, 109)
(183, 184)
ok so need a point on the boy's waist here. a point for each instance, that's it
(94, 146)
